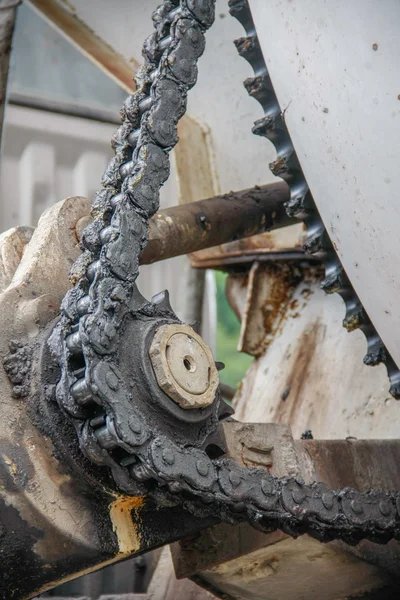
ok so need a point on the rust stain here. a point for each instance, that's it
(282, 286)
(272, 289)
(306, 293)
(125, 524)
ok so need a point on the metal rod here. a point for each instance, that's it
(190, 227)
(247, 258)
(63, 18)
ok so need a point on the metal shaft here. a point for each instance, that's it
(190, 227)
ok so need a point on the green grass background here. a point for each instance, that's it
(228, 328)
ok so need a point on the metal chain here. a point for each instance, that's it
(112, 424)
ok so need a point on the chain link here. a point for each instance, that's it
(117, 423)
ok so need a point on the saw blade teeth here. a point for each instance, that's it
(301, 204)
(333, 283)
(259, 87)
(241, 11)
(376, 354)
(249, 48)
(355, 316)
(285, 166)
(394, 376)
(315, 243)
(271, 126)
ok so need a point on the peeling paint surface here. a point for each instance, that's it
(311, 377)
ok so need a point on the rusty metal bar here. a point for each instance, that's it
(247, 258)
(190, 227)
(63, 16)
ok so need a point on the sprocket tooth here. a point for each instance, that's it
(355, 316)
(315, 243)
(248, 48)
(376, 354)
(334, 281)
(196, 326)
(162, 300)
(394, 376)
(225, 410)
(259, 87)
(241, 11)
(271, 126)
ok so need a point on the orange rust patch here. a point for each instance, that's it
(125, 524)
(269, 293)
(130, 502)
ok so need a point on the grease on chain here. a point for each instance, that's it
(86, 341)
(87, 338)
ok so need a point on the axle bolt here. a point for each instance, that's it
(184, 366)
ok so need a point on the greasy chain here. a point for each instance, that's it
(145, 456)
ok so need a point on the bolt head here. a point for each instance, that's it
(184, 366)
(267, 486)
